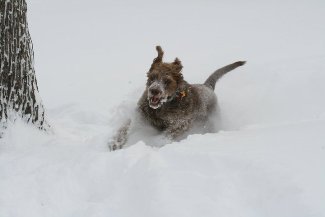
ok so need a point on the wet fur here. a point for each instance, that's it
(186, 105)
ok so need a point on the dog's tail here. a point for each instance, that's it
(211, 81)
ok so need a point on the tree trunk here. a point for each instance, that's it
(19, 95)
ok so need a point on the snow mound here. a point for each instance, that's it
(258, 171)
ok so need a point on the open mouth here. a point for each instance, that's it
(155, 102)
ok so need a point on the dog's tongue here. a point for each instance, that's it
(155, 99)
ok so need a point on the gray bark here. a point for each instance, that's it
(19, 95)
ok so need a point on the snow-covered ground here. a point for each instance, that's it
(91, 59)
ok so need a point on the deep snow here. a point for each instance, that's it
(91, 60)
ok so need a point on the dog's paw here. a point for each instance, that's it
(114, 145)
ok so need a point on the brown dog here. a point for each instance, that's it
(172, 105)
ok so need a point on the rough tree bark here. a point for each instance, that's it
(19, 95)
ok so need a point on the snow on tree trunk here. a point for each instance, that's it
(18, 86)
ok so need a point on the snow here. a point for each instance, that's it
(91, 63)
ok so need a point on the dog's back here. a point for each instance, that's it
(207, 99)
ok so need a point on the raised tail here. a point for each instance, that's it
(212, 79)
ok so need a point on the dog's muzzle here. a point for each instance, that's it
(156, 95)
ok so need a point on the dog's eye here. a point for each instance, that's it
(149, 81)
(167, 81)
(152, 77)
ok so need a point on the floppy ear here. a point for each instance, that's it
(178, 64)
(159, 58)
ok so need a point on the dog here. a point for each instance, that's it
(172, 105)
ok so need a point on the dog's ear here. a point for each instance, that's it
(159, 58)
(177, 64)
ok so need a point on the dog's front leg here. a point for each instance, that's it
(121, 137)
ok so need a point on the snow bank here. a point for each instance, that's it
(260, 171)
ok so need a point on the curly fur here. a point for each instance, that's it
(172, 105)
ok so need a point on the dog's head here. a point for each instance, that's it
(163, 80)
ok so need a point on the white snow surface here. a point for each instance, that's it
(91, 60)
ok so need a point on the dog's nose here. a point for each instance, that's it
(155, 91)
